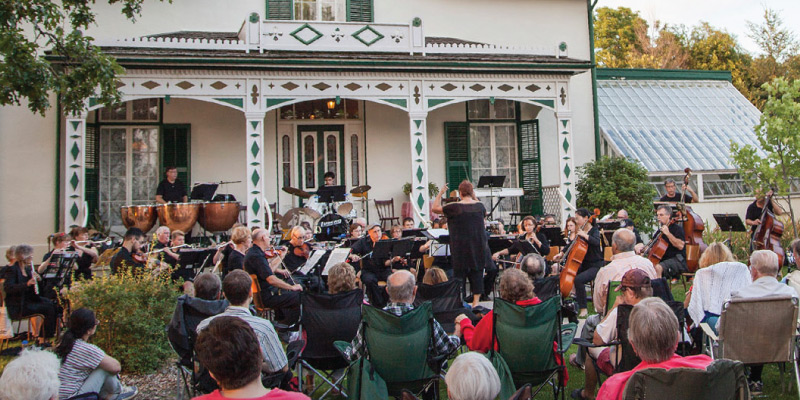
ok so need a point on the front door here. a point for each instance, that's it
(320, 150)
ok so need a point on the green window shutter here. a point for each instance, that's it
(530, 170)
(175, 150)
(279, 9)
(92, 179)
(457, 153)
(359, 11)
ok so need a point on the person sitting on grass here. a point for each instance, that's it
(228, 347)
(31, 376)
(85, 368)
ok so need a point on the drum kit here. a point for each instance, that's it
(328, 220)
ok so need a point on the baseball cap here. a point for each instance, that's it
(634, 278)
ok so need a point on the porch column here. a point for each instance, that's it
(74, 208)
(255, 169)
(419, 167)
(566, 163)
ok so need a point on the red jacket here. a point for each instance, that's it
(479, 337)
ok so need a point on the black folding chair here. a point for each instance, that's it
(446, 301)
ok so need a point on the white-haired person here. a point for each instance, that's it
(31, 376)
(472, 377)
(653, 332)
(764, 272)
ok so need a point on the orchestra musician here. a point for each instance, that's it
(549, 220)
(530, 241)
(87, 254)
(178, 270)
(756, 208)
(171, 189)
(329, 178)
(674, 196)
(408, 223)
(60, 242)
(163, 243)
(356, 231)
(297, 253)
(131, 244)
(592, 261)
(372, 269)
(398, 261)
(21, 291)
(242, 240)
(469, 241)
(570, 233)
(673, 263)
(275, 293)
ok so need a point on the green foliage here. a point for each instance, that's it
(613, 183)
(28, 27)
(133, 309)
(615, 35)
(433, 189)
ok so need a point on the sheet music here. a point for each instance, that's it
(337, 255)
(438, 232)
(312, 261)
(440, 250)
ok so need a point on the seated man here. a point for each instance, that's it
(228, 347)
(285, 303)
(673, 262)
(472, 376)
(764, 270)
(190, 311)
(635, 286)
(372, 269)
(402, 288)
(237, 288)
(535, 266)
(33, 375)
(653, 334)
(623, 260)
(131, 243)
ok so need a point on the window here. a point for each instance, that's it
(484, 109)
(493, 151)
(309, 161)
(320, 109)
(332, 153)
(142, 110)
(286, 160)
(320, 10)
(354, 160)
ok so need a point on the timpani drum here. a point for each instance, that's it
(142, 216)
(179, 216)
(219, 216)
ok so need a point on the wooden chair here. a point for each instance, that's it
(386, 212)
(262, 310)
(34, 323)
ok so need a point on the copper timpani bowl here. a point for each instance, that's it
(142, 217)
(219, 216)
(179, 216)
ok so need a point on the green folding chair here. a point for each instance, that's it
(397, 348)
(612, 295)
(525, 337)
(722, 380)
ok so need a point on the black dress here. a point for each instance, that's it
(22, 300)
(469, 242)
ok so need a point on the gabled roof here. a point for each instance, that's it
(669, 123)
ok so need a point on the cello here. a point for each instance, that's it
(768, 233)
(573, 258)
(658, 246)
(693, 228)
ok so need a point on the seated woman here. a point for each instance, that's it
(434, 276)
(426, 292)
(515, 287)
(84, 367)
(718, 276)
(341, 278)
(10, 259)
(22, 291)
(87, 254)
(241, 238)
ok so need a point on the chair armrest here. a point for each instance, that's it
(342, 347)
(708, 331)
(567, 336)
(585, 343)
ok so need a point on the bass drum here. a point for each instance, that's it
(331, 227)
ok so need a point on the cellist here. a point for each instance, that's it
(592, 261)
(756, 208)
(673, 263)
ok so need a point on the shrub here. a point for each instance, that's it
(613, 183)
(133, 309)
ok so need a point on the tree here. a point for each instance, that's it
(776, 41)
(664, 52)
(778, 134)
(615, 35)
(614, 183)
(28, 27)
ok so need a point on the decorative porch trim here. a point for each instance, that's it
(566, 162)
(255, 169)
(419, 167)
(74, 172)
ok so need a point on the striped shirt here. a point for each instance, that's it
(80, 362)
(268, 340)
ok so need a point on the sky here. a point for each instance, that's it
(730, 15)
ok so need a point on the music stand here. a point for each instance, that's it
(203, 191)
(191, 258)
(58, 271)
(500, 242)
(730, 223)
(491, 182)
(414, 232)
(330, 194)
(554, 235)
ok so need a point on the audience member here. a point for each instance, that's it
(718, 276)
(402, 289)
(764, 270)
(535, 267)
(623, 260)
(85, 368)
(653, 332)
(341, 278)
(31, 376)
(238, 290)
(434, 276)
(21, 291)
(190, 311)
(472, 377)
(229, 349)
(634, 287)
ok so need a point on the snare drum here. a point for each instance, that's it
(314, 204)
(179, 216)
(142, 217)
(219, 216)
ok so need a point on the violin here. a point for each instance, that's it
(274, 251)
(139, 256)
(573, 258)
(303, 250)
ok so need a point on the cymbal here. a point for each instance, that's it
(297, 192)
(360, 189)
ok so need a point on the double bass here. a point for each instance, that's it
(768, 233)
(693, 228)
(573, 258)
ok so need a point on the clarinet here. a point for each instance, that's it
(33, 275)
